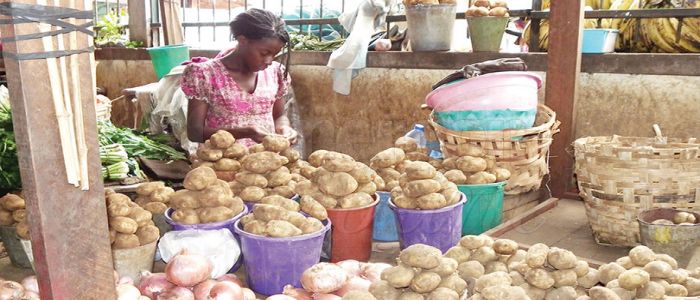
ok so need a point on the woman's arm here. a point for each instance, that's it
(198, 132)
(282, 124)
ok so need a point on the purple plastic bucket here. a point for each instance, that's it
(228, 224)
(440, 228)
(272, 263)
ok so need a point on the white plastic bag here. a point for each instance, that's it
(219, 246)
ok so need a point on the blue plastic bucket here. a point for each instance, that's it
(384, 220)
(165, 58)
(599, 40)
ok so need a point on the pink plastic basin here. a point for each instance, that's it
(502, 90)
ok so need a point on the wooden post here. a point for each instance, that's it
(68, 226)
(563, 67)
(139, 29)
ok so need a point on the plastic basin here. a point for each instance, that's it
(165, 58)
(486, 120)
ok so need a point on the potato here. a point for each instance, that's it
(291, 154)
(693, 286)
(505, 246)
(275, 143)
(602, 293)
(442, 293)
(609, 272)
(338, 162)
(355, 200)
(537, 255)
(326, 201)
(458, 253)
(145, 189)
(472, 242)
(306, 188)
(389, 174)
(484, 255)
(431, 201)
(658, 269)
(227, 165)
(12, 202)
(581, 268)
(280, 201)
(564, 278)
(641, 255)
(561, 293)
(367, 188)
(267, 212)
(561, 259)
(539, 278)
(147, 234)
(418, 188)
(516, 278)
(456, 176)
(296, 218)
(493, 279)
(387, 158)
(252, 194)
(207, 152)
(255, 227)
(6, 218)
(470, 164)
(237, 205)
(235, 151)
(125, 241)
(284, 191)
(140, 215)
(185, 199)
(418, 170)
(399, 276)
(279, 228)
(681, 217)
(222, 139)
(662, 222)
(651, 290)
(362, 173)
(444, 183)
(379, 184)
(279, 177)
(214, 214)
(155, 207)
(185, 216)
(358, 295)
(590, 279)
(118, 199)
(676, 290)
(383, 290)
(411, 295)
(470, 269)
(454, 282)
(199, 178)
(108, 191)
(668, 259)
(263, 162)
(337, 184)
(22, 229)
(117, 210)
(252, 179)
(421, 256)
(633, 279)
(495, 266)
(201, 163)
(311, 207)
(447, 267)
(533, 292)
(163, 194)
(257, 148)
(481, 178)
(311, 225)
(123, 225)
(407, 144)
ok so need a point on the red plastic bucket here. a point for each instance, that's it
(351, 233)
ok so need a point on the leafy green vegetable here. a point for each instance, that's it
(9, 167)
(314, 43)
(136, 145)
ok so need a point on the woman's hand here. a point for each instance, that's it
(288, 132)
(257, 134)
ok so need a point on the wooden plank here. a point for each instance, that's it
(138, 23)
(522, 219)
(564, 64)
(68, 226)
(591, 262)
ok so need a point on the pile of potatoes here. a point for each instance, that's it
(277, 216)
(338, 181)
(13, 213)
(220, 152)
(205, 199)
(422, 272)
(680, 218)
(472, 166)
(494, 8)
(130, 225)
(154, 196)
(390, 163)
(421, 186)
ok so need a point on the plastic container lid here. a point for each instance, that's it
(419, 127)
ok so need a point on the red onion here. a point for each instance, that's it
(248, 294)
(299, 294)
(324, 278)
(201, 291)
(187, 269)
(30, 296)
(127, 292)
(31, 284)
(10, 290)
(373, 271)
(353, 267)
(226, 290)
(354, 283)
(232, 278)
(152, 285)
(177, 293)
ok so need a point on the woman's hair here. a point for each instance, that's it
(257, 24)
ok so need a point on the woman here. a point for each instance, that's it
(242, 91)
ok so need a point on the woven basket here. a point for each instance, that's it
(618, 177)
(523, 152)
(103, 108)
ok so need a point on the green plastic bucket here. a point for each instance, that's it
(165, 58)
(486, 33)
(484, 207)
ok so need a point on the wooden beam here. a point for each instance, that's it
(564, 64)
(138, 23)
(523, 218)
(68, 226)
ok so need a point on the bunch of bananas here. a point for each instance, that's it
(640, 35)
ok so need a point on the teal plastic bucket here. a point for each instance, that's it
(486, 120)
(484, 207)
(165, 58)
(384, 220)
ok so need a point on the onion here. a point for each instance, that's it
(373, 271)
(226, 290)
(31, 284)
(187, 269)
(324, 278)
(127, 292)
(299, 294)
(232, 278)
(30, 296)
(326, 297)
(177, 293)
(10, 290)
(382, 45)
(248, 294)
(352, 266)
(354, 284)
(126, 280)
(152, 285)
(201, 291)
